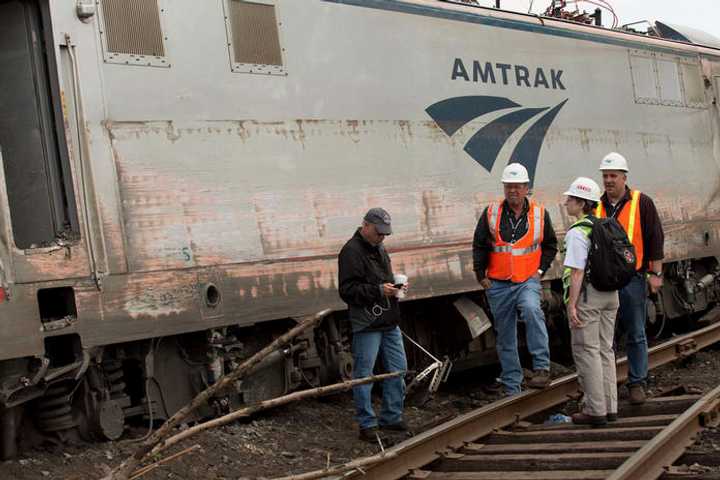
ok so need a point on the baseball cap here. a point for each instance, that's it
(380, 218)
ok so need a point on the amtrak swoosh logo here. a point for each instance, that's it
(485, 145)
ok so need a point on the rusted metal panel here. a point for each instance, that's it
(51, 263)
(253, 183)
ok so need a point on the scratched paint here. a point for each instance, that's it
(256, 181)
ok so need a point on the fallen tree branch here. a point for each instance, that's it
(285, 399)
(149, 468)
(346, 467)
(126, 467)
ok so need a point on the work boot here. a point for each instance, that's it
(369, 434)
(540, 379)
(637, 394)
(581, 418)
(400, 426)
(495, 388)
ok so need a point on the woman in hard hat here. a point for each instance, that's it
(591, 313)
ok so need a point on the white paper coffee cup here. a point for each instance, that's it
(401, 279)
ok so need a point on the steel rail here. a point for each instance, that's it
(667, 446)
(430, 445)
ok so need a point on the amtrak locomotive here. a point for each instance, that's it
(178, 176)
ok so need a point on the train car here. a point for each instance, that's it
(178, 177)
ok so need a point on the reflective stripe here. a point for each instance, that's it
(599, 210)
(633, 209)
(493, 211)
(516, 251)
(537, 219)
(524, 251)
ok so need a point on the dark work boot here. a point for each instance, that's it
(540, 379)
(637, 394)
(495, 388)
(369, 434)
(400, 426)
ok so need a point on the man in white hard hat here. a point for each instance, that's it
(513, 246)
(591, 315)
(637, 214)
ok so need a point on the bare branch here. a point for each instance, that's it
(126, 467)
(275, 402)
(149, 468)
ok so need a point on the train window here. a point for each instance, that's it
(694, 85)
(132, 32)
(253, 30)
(660, 79)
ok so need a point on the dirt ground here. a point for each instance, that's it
(304, 436)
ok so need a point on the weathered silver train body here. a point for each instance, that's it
(210, 158)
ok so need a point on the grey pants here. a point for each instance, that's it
(592, 347)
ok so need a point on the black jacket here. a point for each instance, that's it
(482, 241)
(362, 269)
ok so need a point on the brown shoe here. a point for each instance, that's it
(637, 394)
(540, 379)
(581, 418)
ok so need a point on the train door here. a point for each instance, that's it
(40, 201)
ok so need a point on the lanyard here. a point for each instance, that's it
(514, 226)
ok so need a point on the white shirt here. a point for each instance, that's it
(577, 246)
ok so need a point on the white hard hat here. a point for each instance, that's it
(515, 173)
(614, 161)
(585, 188)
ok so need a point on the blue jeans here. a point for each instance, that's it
(505, 299)
(365, 349)
(631, 320)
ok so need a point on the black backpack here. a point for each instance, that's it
(611, 259)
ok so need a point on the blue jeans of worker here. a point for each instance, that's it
(631, 320)
(365, 349)
(506, 299)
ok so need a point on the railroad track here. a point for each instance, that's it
(639, 445)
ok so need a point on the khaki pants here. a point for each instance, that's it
(592, 347)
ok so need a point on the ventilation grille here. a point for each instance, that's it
(254, 30)
(133, 27)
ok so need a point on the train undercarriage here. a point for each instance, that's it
(73, 394)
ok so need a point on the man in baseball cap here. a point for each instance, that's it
(380, 219)
(366, 284)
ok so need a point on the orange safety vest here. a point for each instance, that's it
(520, 260)
(629, 218)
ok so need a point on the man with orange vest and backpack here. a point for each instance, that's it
(513, 246)
(638, 216)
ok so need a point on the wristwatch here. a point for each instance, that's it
(540, 272)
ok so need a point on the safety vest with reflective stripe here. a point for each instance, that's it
(586, 228)
(520, 260)
(629, 218)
